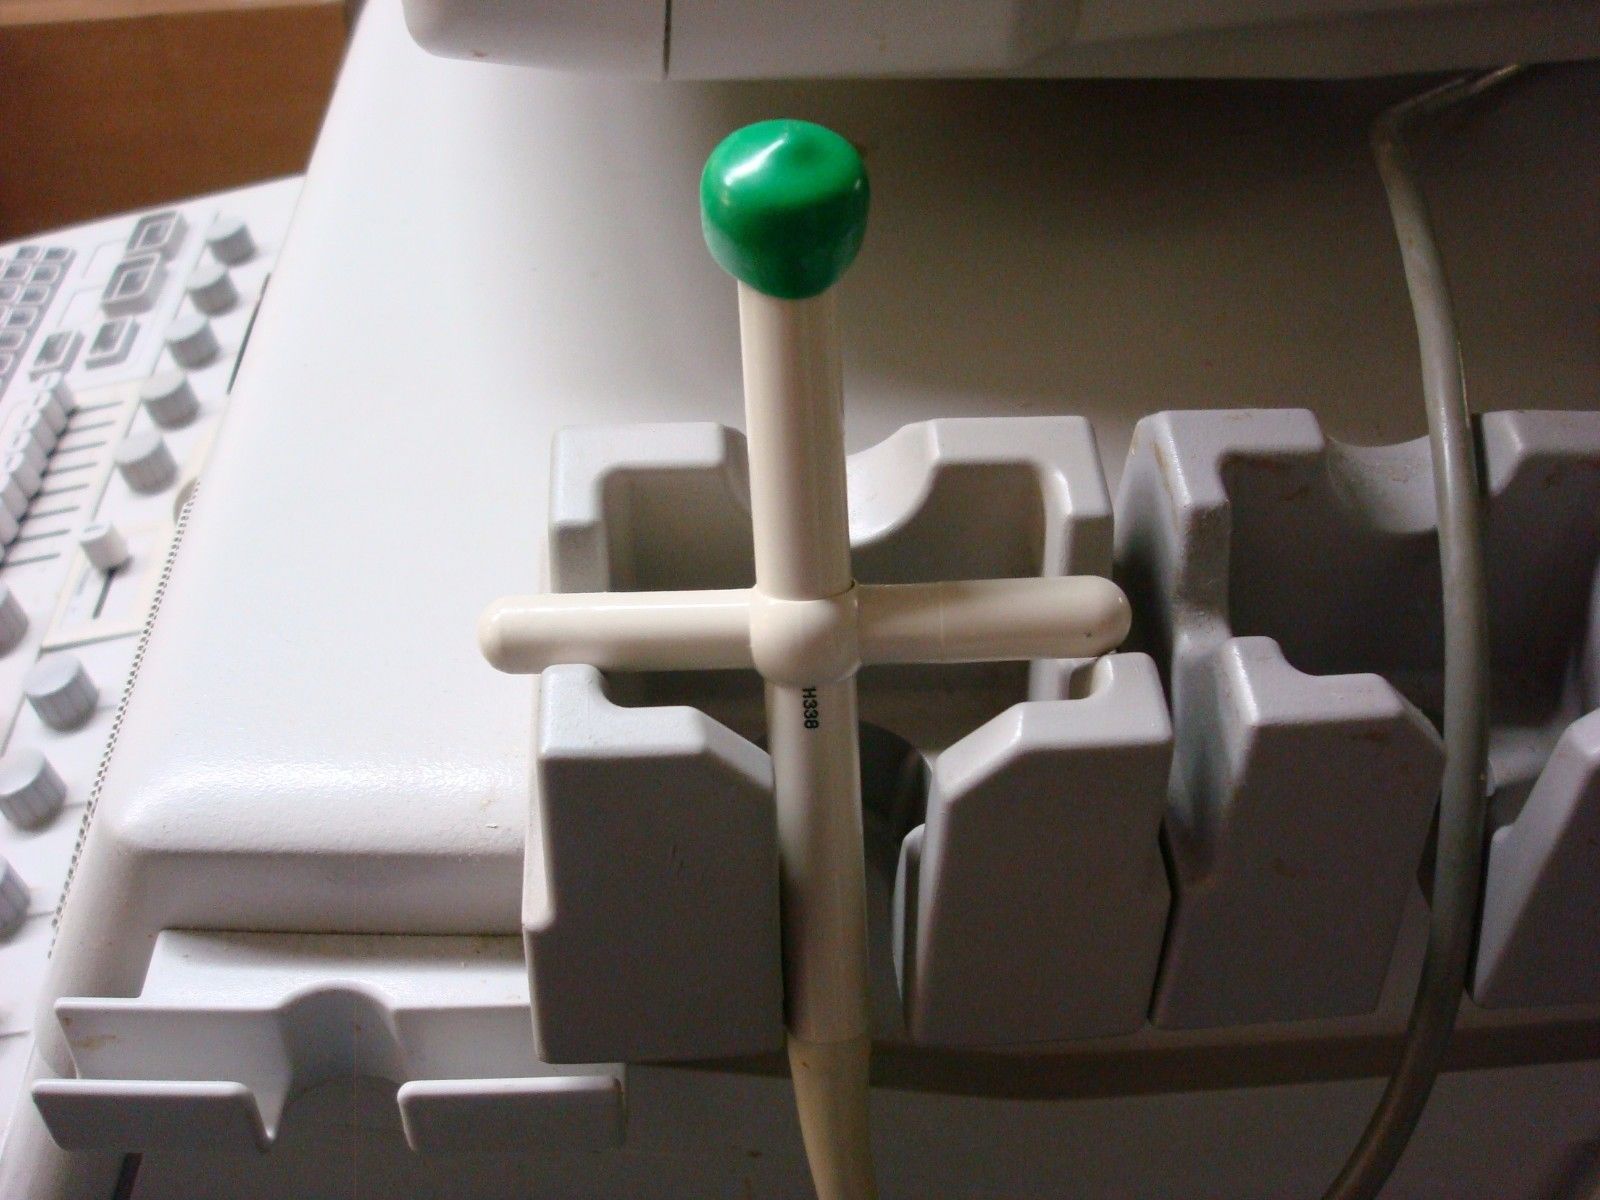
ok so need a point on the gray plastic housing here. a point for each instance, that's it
(1043, 785)
(1289, 586)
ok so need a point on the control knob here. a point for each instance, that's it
(230, 240)
(191, 340)
(104, 546)
(31, 792)
(169, 399)
(61, 691)
(145, 462)
(13, 899)
(211, 288)
(13, 620)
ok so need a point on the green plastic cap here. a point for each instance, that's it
(784, 207)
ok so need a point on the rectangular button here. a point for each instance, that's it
(111, 344)
(134, 285)
(13, 339)
(56, 352)
(20, 318)
(160, 233)
(9, 293)
(26, 252)
(15, 272)
(34, 293)
(57, 254)
(45, 273)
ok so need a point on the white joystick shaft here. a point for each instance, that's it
(784, 210)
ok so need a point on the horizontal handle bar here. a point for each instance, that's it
(981, 620)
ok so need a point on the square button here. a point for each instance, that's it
(134, 285)
(57, 254)
(112, 342)
(13, 339)
(56, 352)
(160, 233)
(15, 272)
(34, 293)
(45, 273)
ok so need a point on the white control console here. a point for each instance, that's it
(118, 344)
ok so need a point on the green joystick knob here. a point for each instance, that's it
(784, 206)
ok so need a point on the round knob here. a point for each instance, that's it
(50, 411)
(169, 399)
(61, 691)
(104, 546)
(783, 205)
(35, 426)
(13, 620)
(211, 288)
(25, 443)
(13, 899)
(16, 466)
(55, 386)
(230, 240)
(30, 790)
(191, 340)
(13, 497)
(145, 462)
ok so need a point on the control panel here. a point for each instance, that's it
(118, 345)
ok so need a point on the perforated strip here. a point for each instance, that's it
(162, 580)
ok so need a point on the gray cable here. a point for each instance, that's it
(1462, 799)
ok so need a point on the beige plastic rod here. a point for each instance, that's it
(979, 620)
(618, 631)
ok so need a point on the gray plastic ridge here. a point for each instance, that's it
(650, 900)
(1032, 905)
(1289, 586)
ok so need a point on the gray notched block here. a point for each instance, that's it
(1290, 588)
(650, 897)
(1032, 904)
(1299, 804)
(1042, 821)
(1541, 911)
(1295, 831)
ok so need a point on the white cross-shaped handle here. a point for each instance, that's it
(784, 208)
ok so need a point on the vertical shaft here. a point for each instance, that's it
(794, 421)
(794, 418)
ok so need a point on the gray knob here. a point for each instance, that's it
(191, 340)
(13, 497)
(230, 240)
(51, 411)
(145, 462)
(61, 691)
(104, 546)
(169, 399)
(24, 442)
(30, 790)
(36, 427)
(13, 620)
(16, 466)
(211, 288)
(13, 900)
(55, 386)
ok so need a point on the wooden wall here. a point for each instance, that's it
(107, 105)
